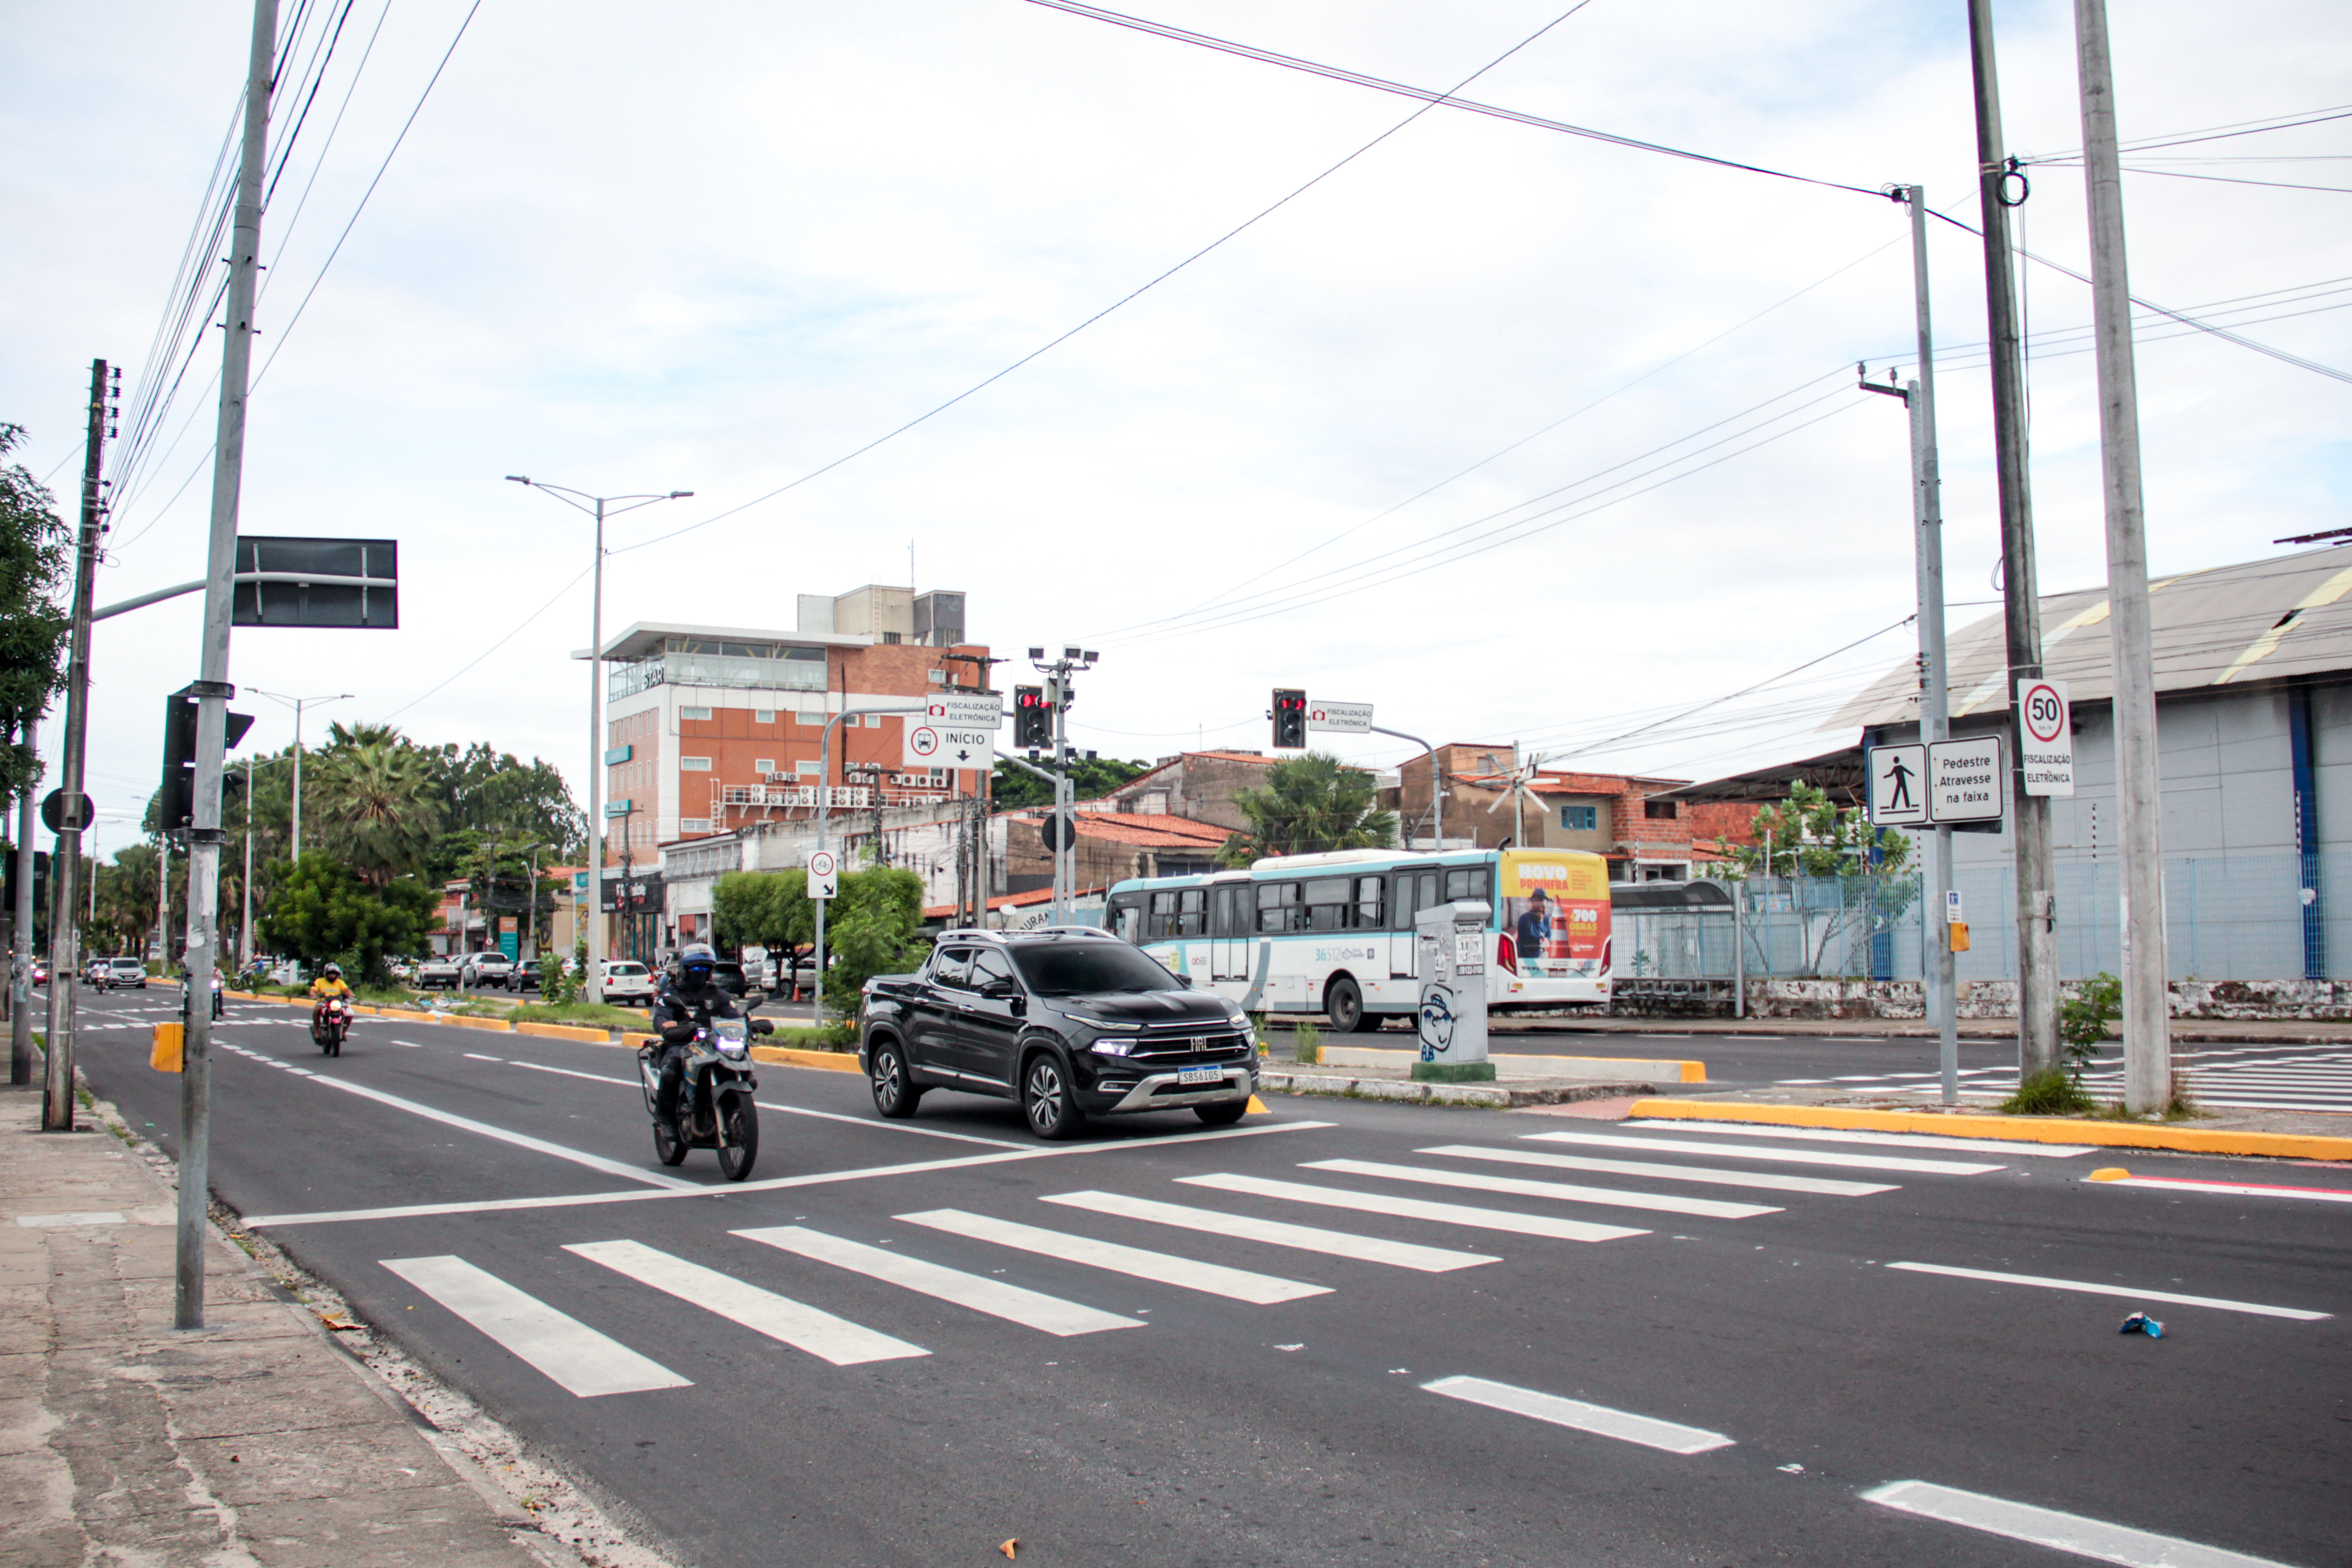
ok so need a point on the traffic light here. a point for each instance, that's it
(1289, 718)
(176, 803)
(1033, 721)
(40, 885)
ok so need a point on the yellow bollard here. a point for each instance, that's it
(164, 1055)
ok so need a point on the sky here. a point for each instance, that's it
(1518, 436)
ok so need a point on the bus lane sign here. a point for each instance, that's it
(1964, 780)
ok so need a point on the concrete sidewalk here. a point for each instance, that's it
(251, 1442)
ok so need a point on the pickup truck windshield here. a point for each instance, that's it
(1090, 968)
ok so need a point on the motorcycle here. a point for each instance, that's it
(715, 1109)
(331, 1024)
(188, 999)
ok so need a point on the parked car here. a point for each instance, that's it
(487, 969)
(628, 983)
(289, 973)
(1069, 1023)
(525, 977)
(441, 970)
(731, 977)
(127, 972)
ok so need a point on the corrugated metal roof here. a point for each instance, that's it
(2290, 615)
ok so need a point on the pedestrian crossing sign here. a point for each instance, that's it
(1899, 784)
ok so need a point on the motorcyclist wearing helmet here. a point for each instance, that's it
(330, 984)
(690, 997)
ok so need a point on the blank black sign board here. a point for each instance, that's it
(294, 601)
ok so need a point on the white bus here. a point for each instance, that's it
(1334, 932)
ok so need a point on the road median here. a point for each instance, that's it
(2169, 1136)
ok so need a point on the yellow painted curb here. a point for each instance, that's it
(247, 997)
(2020, 1129)
(500, 1026)
(2112, 1173)
(636, 1041)
(1692, 1072)
(831, 1061)
(403, 1013)
(564, 1031)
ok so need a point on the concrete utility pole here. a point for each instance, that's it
(2148, 1029)
(2037, 941)
(211, 688)
(20, 938)
(824, 803)
(65, 861)
(592, 907)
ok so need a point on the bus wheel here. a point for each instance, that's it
(1343, 1004)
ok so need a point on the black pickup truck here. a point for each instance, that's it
(1071, 1021)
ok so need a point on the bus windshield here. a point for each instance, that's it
(1090, 968)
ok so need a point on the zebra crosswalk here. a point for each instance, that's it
(2254, 1078)
(790, 1283)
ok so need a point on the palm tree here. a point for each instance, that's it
(1309, 804)
(375, 803)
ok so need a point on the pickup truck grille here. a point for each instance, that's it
(1220, 1042)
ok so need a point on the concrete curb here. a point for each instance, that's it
(1494, 1096)
(788, 1056)
(1598, 1069)
(2020, 1129)
(566, 1031)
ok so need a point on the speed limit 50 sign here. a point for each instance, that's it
(2045, 736)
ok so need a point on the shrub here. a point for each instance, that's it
(1306, 1044)
(2086, 1019)
(2052, 1091)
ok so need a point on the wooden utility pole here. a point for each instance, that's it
(2029, 821)
(2147, 1042)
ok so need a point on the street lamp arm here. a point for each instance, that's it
(1437, 785)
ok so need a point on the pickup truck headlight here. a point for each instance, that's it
(1112, 1047)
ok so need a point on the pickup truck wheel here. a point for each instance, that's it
(1224, 1113)
(895, 1093)
(1045, 1097)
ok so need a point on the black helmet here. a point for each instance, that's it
(695, 964)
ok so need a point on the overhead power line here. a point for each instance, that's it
(1115, 305)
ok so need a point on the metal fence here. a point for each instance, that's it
(2226, 918)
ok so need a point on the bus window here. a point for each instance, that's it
(1327, 903)
(1467, 882)
(1278, 908)
(1161, 922)
(1127, 918)
(1368, 903)
(1225, 913)
(1190, 912)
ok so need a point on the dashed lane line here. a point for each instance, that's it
(2092, 1537)
(2129, 1293)
(1623, 1425)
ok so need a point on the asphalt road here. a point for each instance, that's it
(1676, 1365)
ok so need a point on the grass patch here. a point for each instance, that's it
(2051, 1091)
(824, 1037)
(1306, 1044)
(593, 1014)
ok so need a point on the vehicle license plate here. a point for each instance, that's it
(1199, 1075)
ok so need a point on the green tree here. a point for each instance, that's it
(375, 801)
(1309, 804)
(322, 910)
(874, 928)
(492, 793)
(1091, 778)
(1808, 834)
(767, 909)
(35, 552)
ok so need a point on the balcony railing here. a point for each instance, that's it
(839, 798)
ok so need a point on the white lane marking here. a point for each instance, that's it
(2125, 1291)
(88, 1217)
(504, 1136)
(410, 1043)
(2239, 1189)
(570, 1073)
(477, 1056)
(804, 1327)
(774, 1184)
(1031, 1309)
(1769, 1181)
(1786, 1156)
(1598, 1419)
(583, 1361)
(1277, 1232)
(1211, 1278)
(1416, 1208)
(1479, 1181)
(2092, 1537)
(798, 1109)
(1928, 1142)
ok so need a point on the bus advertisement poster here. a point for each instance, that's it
(1556, 907)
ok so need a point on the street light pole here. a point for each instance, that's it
(1437, 785)
(20, 938)
(600, 507)
(824, 801)
(294, 846)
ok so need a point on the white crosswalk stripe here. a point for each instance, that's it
(822, 1334)
(1623, 1425)
(2262, 1077)
(1457, 1214)
(1779, 1156)
(1275, 1232)
(575, 1356)
(1213, 1278)
(1480, 1181)
(1031, 1309)
(1769, 1181)
(1928, 1143)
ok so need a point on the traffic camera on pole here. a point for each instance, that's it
(1289, 718)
